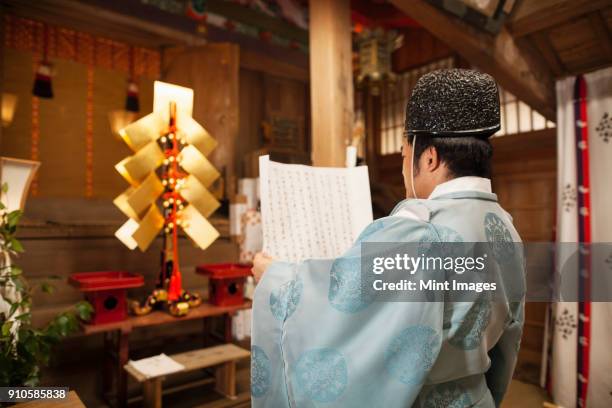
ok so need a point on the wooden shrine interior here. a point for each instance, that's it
(245, 87)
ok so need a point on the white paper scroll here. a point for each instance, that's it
(312, 212)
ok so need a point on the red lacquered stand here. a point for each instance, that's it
(106, 291)
(226, 282)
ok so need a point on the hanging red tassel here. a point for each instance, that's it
(42, 82)
(131, 102)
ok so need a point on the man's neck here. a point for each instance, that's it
(468, 183)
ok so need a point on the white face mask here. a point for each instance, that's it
(412, 166)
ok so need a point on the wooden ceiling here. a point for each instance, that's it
(573, 36)
(540, 41)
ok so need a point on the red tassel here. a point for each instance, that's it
(131, 102)
(42, 82)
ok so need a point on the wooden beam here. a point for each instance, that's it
(500, 56)
(257, 19)
(331, 82)
(137, 23)
(603, 34)
(96, 20)
(541, 41)
(531, 16)
(259, 62)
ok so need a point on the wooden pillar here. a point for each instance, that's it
(331, 80)
(371, 105)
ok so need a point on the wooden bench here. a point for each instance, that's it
(223, 358)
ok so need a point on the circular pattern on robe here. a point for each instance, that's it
(321, 374)
(285, 299)
(471, 329)
(412, 353)
(260, 372)
(499, 237)
(441, 241)
(447, 395)
(345, 289)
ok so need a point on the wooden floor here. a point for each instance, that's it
(523, 395)
(520, 394)
(83, 376)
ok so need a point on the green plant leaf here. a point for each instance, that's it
(24, 317)
(13, 309)
(6, 328)
(4, 187)
(12, 219)
(15, 245)
(84, 310)
(47, 287)
(16, 271)
(20, 285)
(64, 326)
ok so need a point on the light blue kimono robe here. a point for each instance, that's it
(317, 343)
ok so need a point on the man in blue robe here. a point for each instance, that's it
(319, 340)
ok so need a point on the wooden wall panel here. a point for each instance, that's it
(62, 125)
(285, 102)
(109, 91)
(419, 48)
(212, 72)
(62, 133)
(94, 249)
(18, 79)
(268, 97)
(64, 236)
(110, 88)
(252, 107)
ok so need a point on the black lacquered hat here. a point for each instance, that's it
(453, 103)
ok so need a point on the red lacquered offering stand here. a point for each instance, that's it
(107, 292)
(226, 282)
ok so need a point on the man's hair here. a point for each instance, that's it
(463, 156)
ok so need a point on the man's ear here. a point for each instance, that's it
(432, 160)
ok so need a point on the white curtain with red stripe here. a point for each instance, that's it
(564, 377)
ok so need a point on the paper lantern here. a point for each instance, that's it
(9, 104)
(18, 175)
(375, 48)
